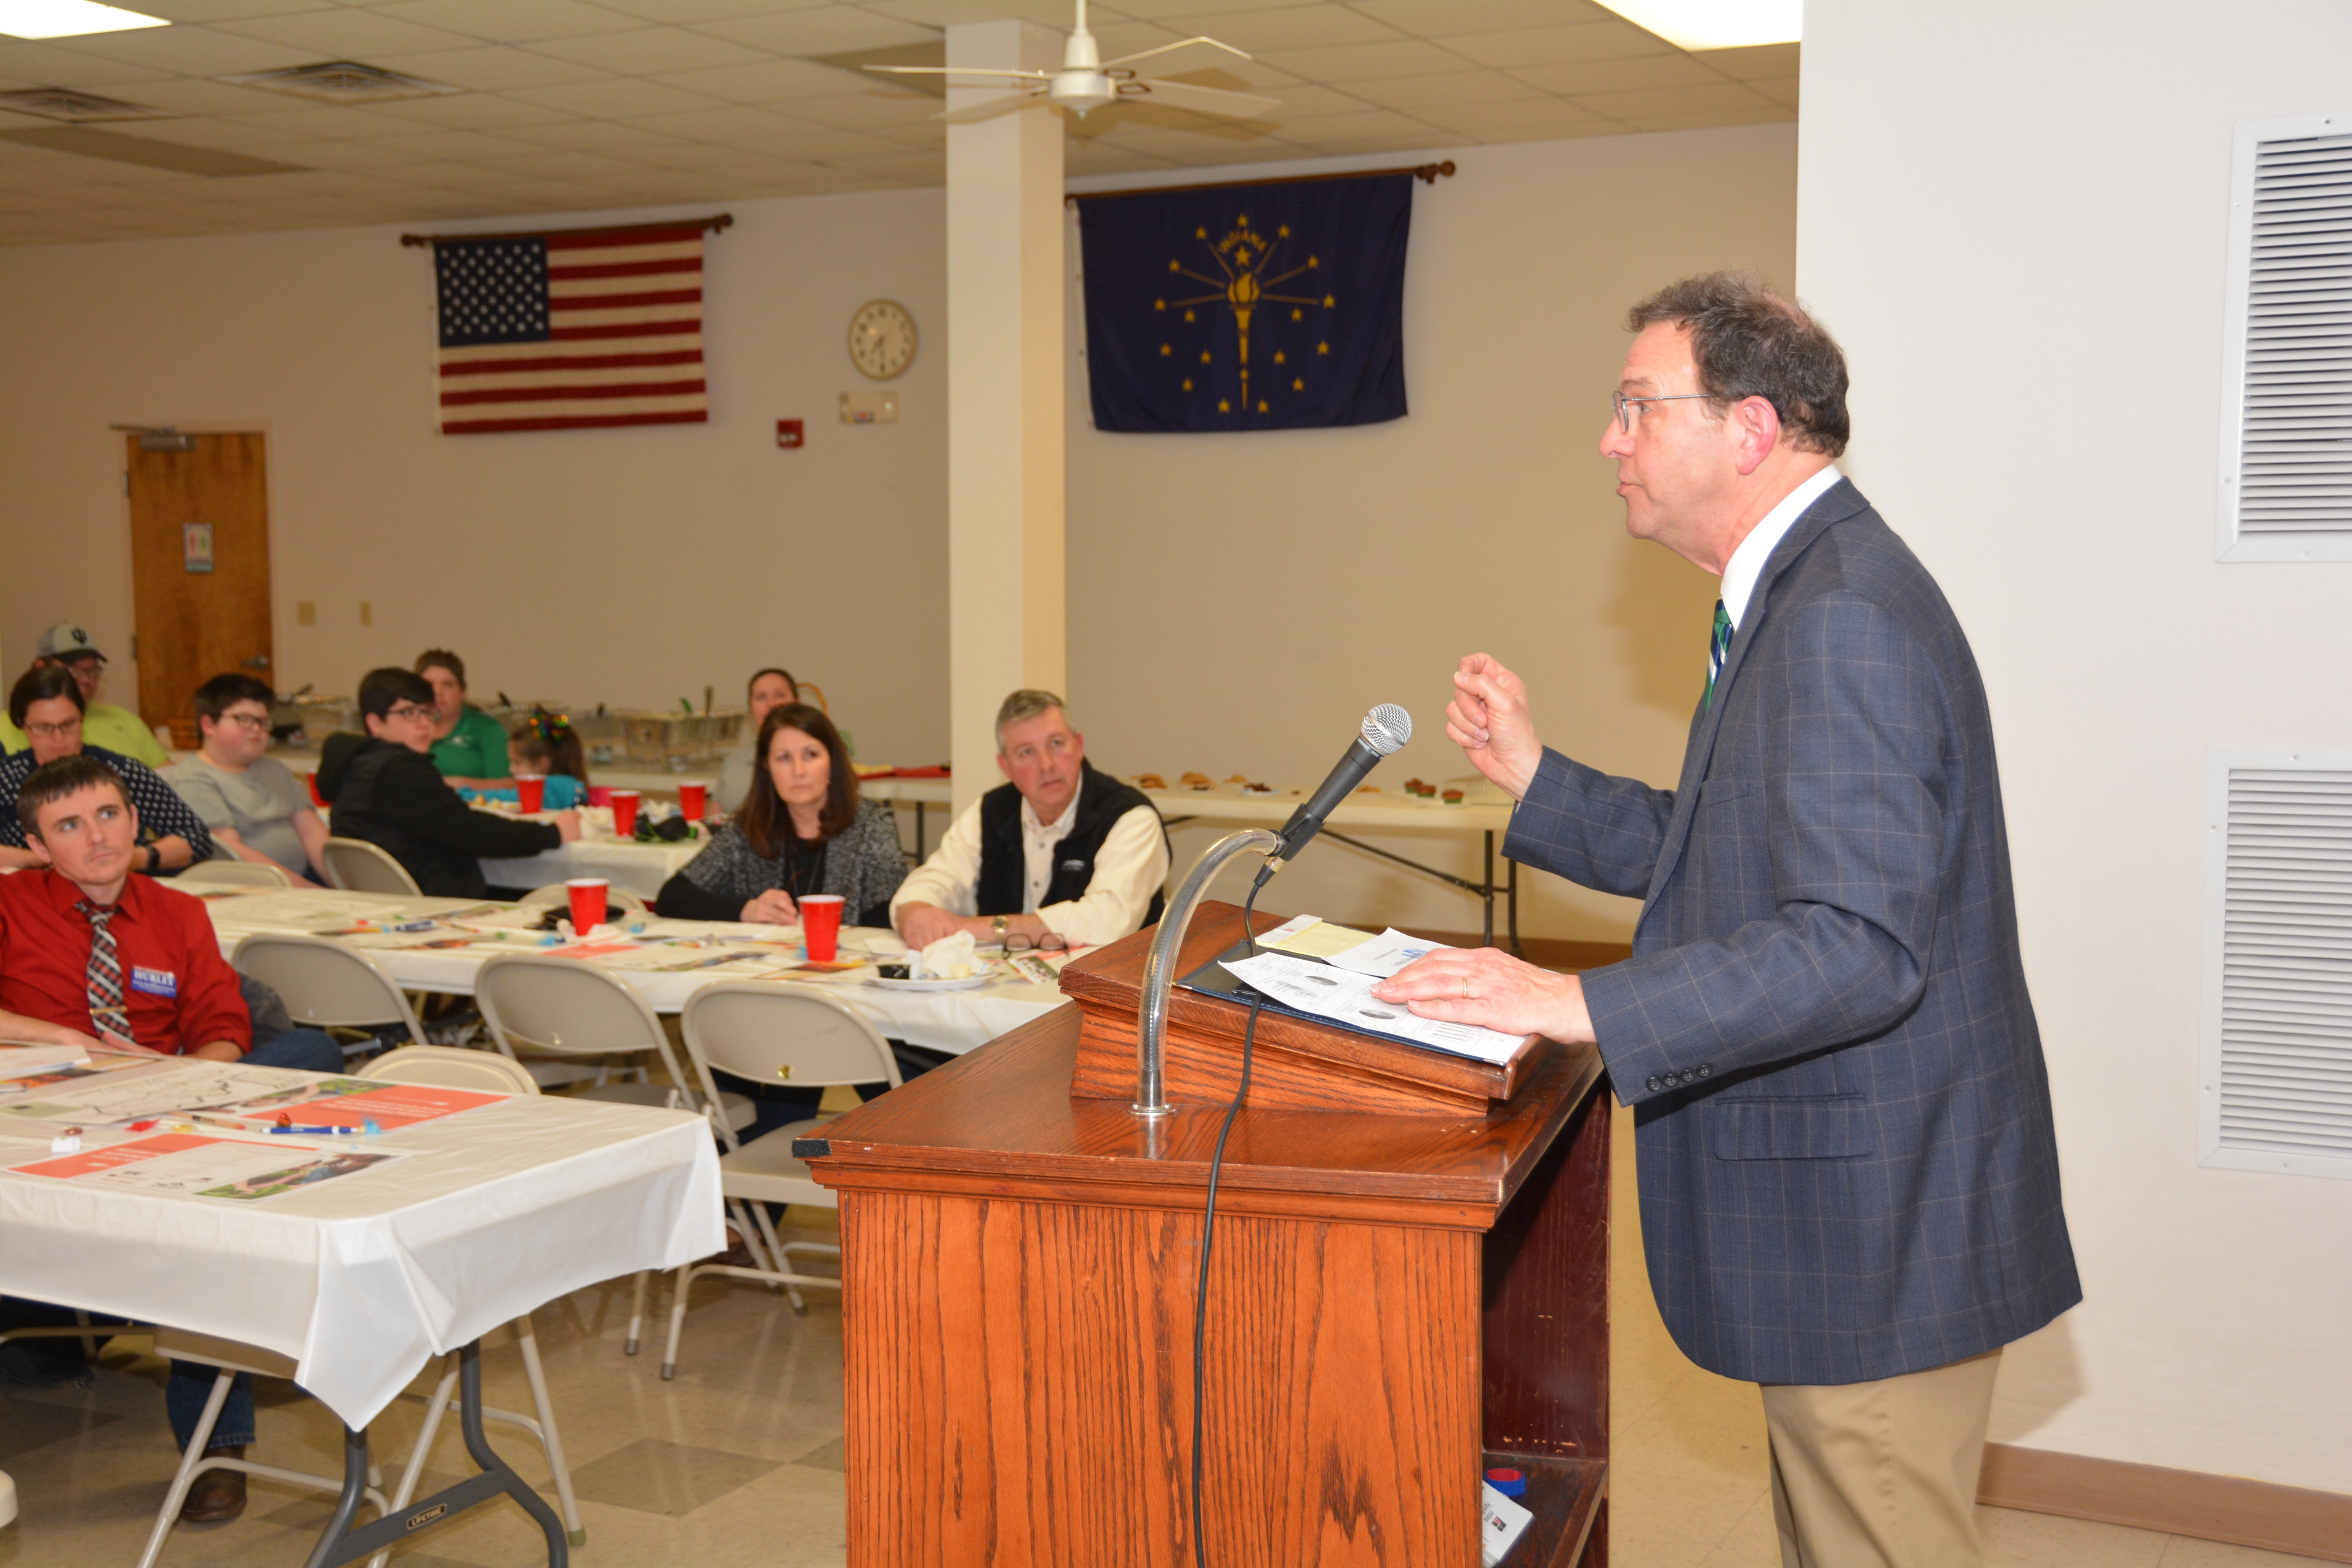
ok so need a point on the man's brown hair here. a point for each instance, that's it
(54, 781)
(1749, 342)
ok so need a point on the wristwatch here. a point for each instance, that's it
(999, 926)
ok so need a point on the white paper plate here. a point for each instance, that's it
(969, 983)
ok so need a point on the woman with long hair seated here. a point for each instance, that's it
(802, 829)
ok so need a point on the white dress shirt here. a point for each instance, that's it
(1131, 866)
(1747, 562)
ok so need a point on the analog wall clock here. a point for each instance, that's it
(882, 339)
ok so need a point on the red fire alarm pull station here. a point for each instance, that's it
(788, 433)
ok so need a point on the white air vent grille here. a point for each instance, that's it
(2277, 1071)
(343, 82)
(76, 107)
(2286, 468)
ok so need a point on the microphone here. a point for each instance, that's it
(1386, 728)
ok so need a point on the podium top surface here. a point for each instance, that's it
(1001, 1121)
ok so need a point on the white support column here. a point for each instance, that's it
(1004, 400)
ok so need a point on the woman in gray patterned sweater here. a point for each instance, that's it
(802, 830)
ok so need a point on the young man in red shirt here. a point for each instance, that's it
(94, 956)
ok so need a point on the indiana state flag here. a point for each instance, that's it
(1262, 307)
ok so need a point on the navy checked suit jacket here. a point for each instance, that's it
(1848, 1168)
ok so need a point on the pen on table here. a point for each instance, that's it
(318, 1131)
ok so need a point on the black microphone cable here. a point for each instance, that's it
(1208, 1235)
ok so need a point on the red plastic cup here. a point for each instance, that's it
(599, 795)
(587, 903)
(821, 926)
(692, 798)
(625, 813)
(531, 792)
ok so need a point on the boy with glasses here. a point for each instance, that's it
(252, 804)
(383, 788)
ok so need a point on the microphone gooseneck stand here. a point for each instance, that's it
(1159, 969)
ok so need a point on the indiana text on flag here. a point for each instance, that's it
(559, 332)
(1256, 306)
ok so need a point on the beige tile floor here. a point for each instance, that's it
(739, 1460)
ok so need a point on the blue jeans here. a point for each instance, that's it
(191, 1383)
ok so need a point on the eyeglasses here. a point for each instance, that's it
(55, 731)
(1626, 408)
(406, 711)
(254, 721)
(1052, 941)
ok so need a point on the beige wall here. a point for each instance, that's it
(2014, 217)
(626, 566)
(1238, 601)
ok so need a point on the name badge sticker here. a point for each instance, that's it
(154, 981)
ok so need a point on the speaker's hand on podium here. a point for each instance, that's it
(1489, 987)
(1488, 718)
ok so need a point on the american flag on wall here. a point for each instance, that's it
(561, 332)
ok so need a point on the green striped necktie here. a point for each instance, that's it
(1718, 644)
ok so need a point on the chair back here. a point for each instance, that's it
(560, 1006)
(444, 1067)
(237, 874)
(355, 866)
(324, 983)
(556, 895)
(771, 1032)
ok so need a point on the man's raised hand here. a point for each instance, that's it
(1488, 719)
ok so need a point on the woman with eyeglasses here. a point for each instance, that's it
(46, 704)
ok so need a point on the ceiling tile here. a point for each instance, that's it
(821, 30)
(1707, 120)
(441, 145)
(345, 34)
(696, 158)
(1055, 14)
(225, 10)
(326, 121)
(1429, 140)
(491, 68)
(1303, 100)
(1761, 63)
(1721, 99)
(862, 111)
(1559, 46)
(615, 97)
(472, 111)
(1781, 90)
(1368, 62)
(1365, 123)
(771, 82)
(732, 125)
(651, 51)
(1522, 119)
(594, 136)
(923, 169)
(511, 21)
(1293, 27)
(46, 64)
(1639, 74)
(368, 154)
(194, 95)
(1455, 86)
(684, 12)
(178, 51)
(1438, 18)
(1160, 10)
(569, 166)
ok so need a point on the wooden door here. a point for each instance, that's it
(199, 567)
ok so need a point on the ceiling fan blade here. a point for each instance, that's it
(1213, 100)
(1170, 49)
(960, 70)
(989, 108)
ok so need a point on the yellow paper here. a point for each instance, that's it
(1321, 939)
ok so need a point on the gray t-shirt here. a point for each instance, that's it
(258, 803)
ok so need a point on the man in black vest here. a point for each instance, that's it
(1061, 851)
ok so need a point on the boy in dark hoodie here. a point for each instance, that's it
(384, 788)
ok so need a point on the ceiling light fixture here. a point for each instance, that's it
(68, 18)
(1716, 23)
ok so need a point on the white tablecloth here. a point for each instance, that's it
(364, 1280)
(642, 869)
(951, 1021)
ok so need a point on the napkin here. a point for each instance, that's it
(949, 958)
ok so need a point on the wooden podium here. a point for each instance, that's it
(1409, 1285)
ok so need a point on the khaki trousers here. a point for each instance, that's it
(1881, 1475)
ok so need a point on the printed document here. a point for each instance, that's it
(1346, 997)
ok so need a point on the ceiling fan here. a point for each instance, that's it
(1086, 82)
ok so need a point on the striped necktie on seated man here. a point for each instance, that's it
(1718, 645)
(107, 1012)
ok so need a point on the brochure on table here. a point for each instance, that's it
(142, 1089)
(23, 1059)
(196, 1165)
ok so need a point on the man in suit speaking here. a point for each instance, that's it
(1849, 1177)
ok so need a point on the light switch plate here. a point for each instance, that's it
(869, 408)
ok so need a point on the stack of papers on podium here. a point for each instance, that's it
(1345, 997)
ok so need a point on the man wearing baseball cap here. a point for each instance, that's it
(103, 724)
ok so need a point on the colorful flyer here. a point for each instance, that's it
(355, 1101)
(191, 1164)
